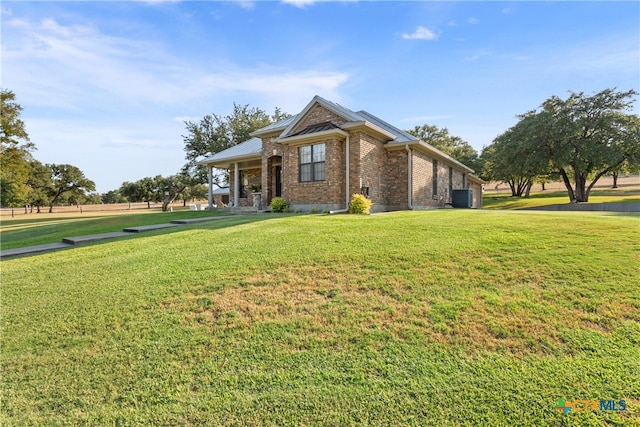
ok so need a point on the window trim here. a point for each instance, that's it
(312, 164)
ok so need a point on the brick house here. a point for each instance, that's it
(319, 158)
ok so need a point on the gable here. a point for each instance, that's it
(317, 115)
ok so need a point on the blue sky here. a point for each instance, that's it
(106, 85)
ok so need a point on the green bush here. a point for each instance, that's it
(360, 204)
(278, 204)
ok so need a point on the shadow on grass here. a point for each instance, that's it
(213, 224)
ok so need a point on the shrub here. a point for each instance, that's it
(314, 211)
(278, 204)
(360, 204)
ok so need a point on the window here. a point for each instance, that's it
(312, 163)
(434, 179)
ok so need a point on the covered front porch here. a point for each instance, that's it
(253, 180)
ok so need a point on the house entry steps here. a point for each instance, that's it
(69, 242)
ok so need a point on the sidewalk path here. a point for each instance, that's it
(70, 242)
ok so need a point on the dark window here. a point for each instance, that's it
(434, 179)
(312, 163)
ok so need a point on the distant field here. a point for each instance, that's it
(498, 195)
(447, 317)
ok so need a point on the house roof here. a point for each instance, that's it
(244, 150)
(400, 135)
(252, 149)
(316, 128)
(277, 126)
(220, 191)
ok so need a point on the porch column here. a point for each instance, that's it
(210, 174)
(236, 184)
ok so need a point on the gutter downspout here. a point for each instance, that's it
(210, 188)
(409, 176)
(346, 144)
(236, 184)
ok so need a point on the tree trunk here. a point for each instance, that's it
(543, 187)
(512, 185)
(615, 180)
(567, 183)
(581, 193)
(528, 190)
(50, 208)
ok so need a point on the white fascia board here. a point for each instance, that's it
(311, 137)
(370, 126)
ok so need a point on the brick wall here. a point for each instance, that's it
(373, 167)
(397, 185)
(327, 192)
(422, 170)
(254, 178)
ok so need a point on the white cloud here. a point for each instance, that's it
(245, 4)
(73, 68)
(473, 20)
(421, 33)
(299, 3)
(111, 100)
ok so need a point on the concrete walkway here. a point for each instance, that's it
(70, 242)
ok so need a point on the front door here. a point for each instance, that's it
(278, 173)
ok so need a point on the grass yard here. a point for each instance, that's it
(505, 201)
(38, 229)
(446, 317)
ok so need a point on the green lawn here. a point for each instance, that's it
(446, 317)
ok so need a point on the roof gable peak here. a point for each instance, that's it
(338, 110)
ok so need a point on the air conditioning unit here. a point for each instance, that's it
(462, 198)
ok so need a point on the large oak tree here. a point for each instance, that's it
(582, 138)
(15, 152)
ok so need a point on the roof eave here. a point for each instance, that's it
(224, 162)
(260, 133)
(364, 124)
(434, 152)
(311, 137)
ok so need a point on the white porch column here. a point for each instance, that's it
(236, 184)
(210, 174)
